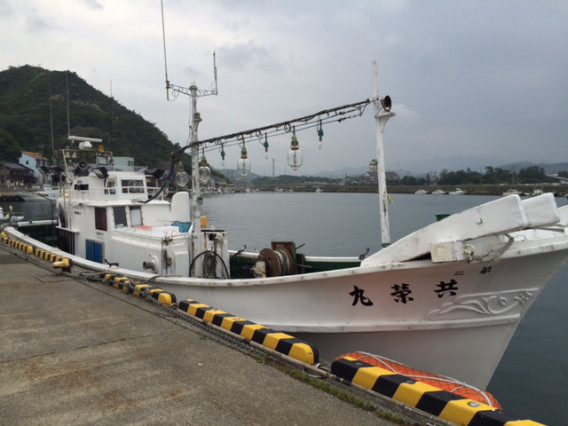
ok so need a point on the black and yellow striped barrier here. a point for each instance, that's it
(271, 339)
(57, 261)
(446, 405)
(143, 290)
(26, 248)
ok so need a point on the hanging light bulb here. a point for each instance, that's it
(204, 171)
(265, 145)
(320, 134)
(181, 176)
(373, 165)
(295, 156)
(223, 155)
(243, 164)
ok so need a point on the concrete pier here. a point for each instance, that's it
(79, 352)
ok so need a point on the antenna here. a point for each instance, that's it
(165, 58)
(214, 74)
(175, 89)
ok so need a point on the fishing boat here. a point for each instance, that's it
(446, 298)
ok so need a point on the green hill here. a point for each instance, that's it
(30, 95)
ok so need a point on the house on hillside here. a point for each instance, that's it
(13, 175)
(34, 161)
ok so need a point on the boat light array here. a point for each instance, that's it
(262, 134)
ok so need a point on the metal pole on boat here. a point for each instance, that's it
(196, 200)
(382, 115)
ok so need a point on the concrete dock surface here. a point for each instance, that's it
(78, 352)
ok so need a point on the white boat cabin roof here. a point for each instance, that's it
(118, 187)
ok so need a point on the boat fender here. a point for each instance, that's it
(64, 264)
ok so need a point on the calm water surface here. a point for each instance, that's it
(532, 379)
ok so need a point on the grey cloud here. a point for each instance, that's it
(249, 55)
(94, 4)
(36, 23)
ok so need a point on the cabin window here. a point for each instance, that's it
(119, 216)
(110, 187)
(100, 218)
(135, 216)
(133, 186)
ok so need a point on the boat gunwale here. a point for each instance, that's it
(513, 252)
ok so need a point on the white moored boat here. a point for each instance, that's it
(446, 298)
(458, 191)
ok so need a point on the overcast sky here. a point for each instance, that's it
(467, 78)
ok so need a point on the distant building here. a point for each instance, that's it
(13, 175)
(34, 161)
(370, 177)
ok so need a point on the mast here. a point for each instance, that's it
(196, 200)
(382, 115)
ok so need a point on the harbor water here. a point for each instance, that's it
(532, 378)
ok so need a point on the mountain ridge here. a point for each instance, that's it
(33, 107)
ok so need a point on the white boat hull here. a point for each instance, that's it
(462, 336)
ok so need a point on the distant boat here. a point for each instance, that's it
(9, 217)
(439, 192)
(421, 191)
(458, 191)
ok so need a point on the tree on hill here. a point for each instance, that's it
(33, 99)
